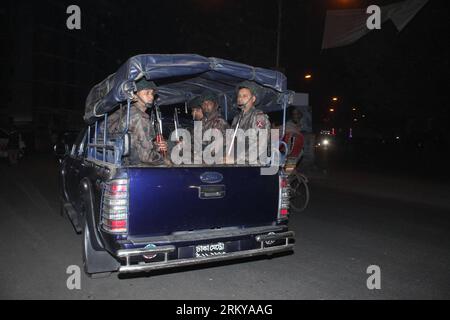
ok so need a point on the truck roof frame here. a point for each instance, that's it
(180, 77)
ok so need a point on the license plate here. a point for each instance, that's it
(208, 250)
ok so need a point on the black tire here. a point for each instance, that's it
(299, 197)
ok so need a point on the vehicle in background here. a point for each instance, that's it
(325, 140)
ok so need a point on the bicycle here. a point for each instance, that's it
(299, 190)
(298, 182)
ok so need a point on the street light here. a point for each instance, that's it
(308, 76)
(335, 99)
(331, 110)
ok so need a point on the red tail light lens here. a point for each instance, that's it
(283, 197)
(117, 224)
(115, 206)
(118, 189)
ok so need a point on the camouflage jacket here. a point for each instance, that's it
(142, 134)
(215, 121)
(253, 119)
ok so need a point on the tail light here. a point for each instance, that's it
(283, 197)
(114, 217)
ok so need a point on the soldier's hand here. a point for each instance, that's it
(162, 146)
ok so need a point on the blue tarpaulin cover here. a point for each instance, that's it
(181, 77)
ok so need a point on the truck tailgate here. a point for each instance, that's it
(166, 200)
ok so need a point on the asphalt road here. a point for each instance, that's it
(338, 237)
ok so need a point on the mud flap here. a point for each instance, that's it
(95, 258)
(96, 261)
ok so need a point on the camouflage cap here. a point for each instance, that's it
(195, 103)
(209, 96)
(145, 84)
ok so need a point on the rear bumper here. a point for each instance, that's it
(166, 250)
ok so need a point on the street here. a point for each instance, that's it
(338, 237)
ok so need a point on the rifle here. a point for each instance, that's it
(152, 118)
(176, 123)
(159, 129)
(235, 132)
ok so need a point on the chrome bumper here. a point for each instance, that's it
(127, 253)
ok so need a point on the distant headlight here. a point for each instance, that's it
(325, 142)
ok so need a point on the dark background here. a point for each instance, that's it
(397, 80)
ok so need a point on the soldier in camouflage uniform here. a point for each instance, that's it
(197, 116)
(143, 148)
(250, 117)
(213, 119)
(196, 109)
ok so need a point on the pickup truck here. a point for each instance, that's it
(138, 218)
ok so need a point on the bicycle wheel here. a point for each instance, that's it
(299, 192)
